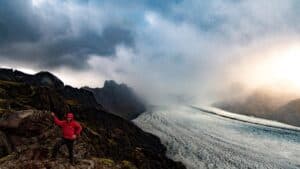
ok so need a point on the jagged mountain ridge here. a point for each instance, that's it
(119, 99)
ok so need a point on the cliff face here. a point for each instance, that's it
(27, 132)
(119, 99)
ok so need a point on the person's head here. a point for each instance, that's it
(69, 116)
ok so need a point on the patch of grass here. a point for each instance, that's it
(111, 142)
(104, 162)
(2, 91)
(127, 165)
(72, 102)
(4, 82)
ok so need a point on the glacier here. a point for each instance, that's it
(206, 137)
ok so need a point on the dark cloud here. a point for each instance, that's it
(15, 22)
(23, 37)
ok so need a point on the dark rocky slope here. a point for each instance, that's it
(27, 132)
(119, 99)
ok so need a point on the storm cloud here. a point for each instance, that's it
(52, 37)
(180, 49)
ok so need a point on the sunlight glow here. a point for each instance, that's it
(280, 66)
(286, 66)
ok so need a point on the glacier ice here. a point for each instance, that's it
(211, 140)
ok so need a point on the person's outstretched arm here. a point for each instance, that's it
(56, 120)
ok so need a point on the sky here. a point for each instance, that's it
(191, 50)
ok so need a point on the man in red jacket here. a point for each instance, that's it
(71, 130)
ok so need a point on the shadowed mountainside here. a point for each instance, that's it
(119, 99)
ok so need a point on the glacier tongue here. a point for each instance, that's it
(205, 140)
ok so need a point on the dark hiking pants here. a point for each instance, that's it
(68, 143)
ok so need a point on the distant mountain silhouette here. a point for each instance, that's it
(288, 113)
(265, 104)
(119, 99)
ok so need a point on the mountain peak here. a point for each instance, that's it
(112, 83)
(42, 78)
(119, 99)
(45, 78)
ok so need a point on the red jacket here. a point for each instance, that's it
(68, 128)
